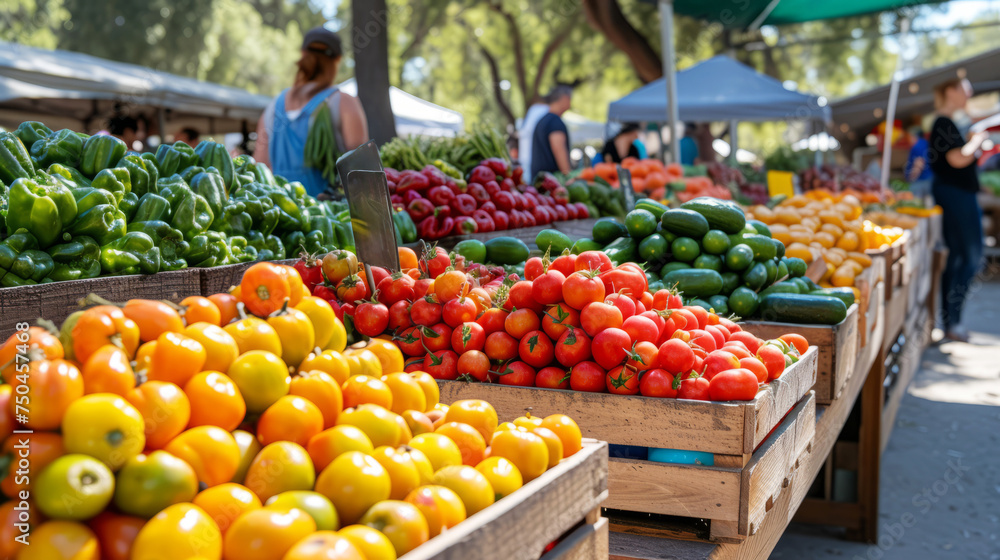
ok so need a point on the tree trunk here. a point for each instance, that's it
(606, 16)
(369, 36)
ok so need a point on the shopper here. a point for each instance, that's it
(527, 130)
(689, 146)
(952, 158)
(550, 139)
(284, 127)
(622, 145)
(918, 173)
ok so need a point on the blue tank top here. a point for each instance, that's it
(287, 144)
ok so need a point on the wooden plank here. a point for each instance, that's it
(895, 315)
(626, 546)
(827, 512)
(783, 394)
(510, 528)
(674, 489)
(838, 349)
(909, 360)
(588, 542)
(219, 279)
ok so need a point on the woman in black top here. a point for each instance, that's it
(622, 145)
(953, 160)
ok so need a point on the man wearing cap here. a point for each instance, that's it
(283, 129)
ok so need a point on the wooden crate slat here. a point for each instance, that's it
(513, 528)
(588, 542)
(673, 489)
(783, 394)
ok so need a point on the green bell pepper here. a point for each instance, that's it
(152, 207)
(173, 188)
(269, 247)
(43, 209)
(240, 250)
(295, 242)
(63, 147)
(103, 222)
(189, 173)
(260, 207)
(208, 249)
(405, 226)
(21, 263)
(311, 243)
(142, 173)
(70, 175)
(297, 191)
(191, 215)
(128, 205)
(89, 197)
(173, 158)
(132, 254)
(32, 131)
(100, 152)
(116, 181)
(15, 163)
(210, 185)
(345, 235)
(213, 154)
(169, 240)
(76, 260)
(234, 220)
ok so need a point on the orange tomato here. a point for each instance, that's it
(153, 318)
(266, 534)
(451, 285)
(468, 440)
(220, 346)
(198, 309)
(52, 385)
(407, 258)
(362, 389)
(502, 475)
(440, 506)
(181, 531)
(225, 502)
(527, 451)
(100, 326)
(329, 444)
(40, 344)
(249, 448)
(296, 289)
(42, 449)
(226, 304)
(407, 394)
(324, 545)
(354, 482)
(401, 522)
(176, 358)
(116, 533)
(164, 408)
(477, 413)
(291, 460)
(211, 451)
(328, 361)
(264, 288)
(553, 442)
(254, 333)
(8, 532)
(567, 430)
(108, 371)
(439, 449)
(215, 401)
(291, 418)
(61, 540)
(404, 475)
(432, 393)
(321, 390)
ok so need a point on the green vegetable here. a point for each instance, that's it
(715, 242)
(781, 288)
(653, 248)
(622, 250)
(739, 257)
(709, 262)
(211, 186)
(796, 267)
(169, 240)
(607, 230)
(473, 250)
(743, 301)
(755, 277)
(762, 247)
(685, 223)
(128, 205)
(720, 304)
(552, 240)
(720, 214)
(42, 209)
(585, 244)
(672, 266)
(133, 253)
(695, 282)
(142, 172)
(730, 281)
(506, 250)
(103, 222)
(685, 249)
(845, 295)
(240, 250)
(21, 261)
(75, 260)
(772, 272)
(652, 206)
(115, 181)
(173, 158)
(14, 160)
(62, 147)
(640, 223)
(321, 144)
(578, 191)
(215, 155)
(404, 226)
(760, 227)
(100, 152)
(32, 131)
(802, 309)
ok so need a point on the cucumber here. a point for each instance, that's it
(730, 281)
(622, 250)
(695, 282)
(711, 262)
(554, 241)
(779, 248)
(782, 270)
(813, 286)
(804, 288)
(607, 230)
(506, 250)
(845, 295)
(720, 304)
(802, 309)
(756, 277)
(720, 214)
(763, 247)
(586, 244)
(655, 286)
(743, 301)
(781, 288)
(472, 249)
(685, 223)
(672, 266)
(796, 267)
(760, 227)
(652, 206)
(739, 257)
(772, 272)
(700, 303)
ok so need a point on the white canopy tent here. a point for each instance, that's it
(415, 116)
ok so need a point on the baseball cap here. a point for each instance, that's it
(328, 38)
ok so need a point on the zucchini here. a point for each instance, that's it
(720, 214)
(622, 250)
(720, 304)
(802, 309)
(652, 206)
(845, 295)
(760, 227)
(672, 266)
(554, 241)
(730, 281)
(763, 247)
(743, 301)
(781, 288)
(796, 267)
(506, 250)
(685, 223)
(695, 282)
(585, 244)
(607, 230)
(756, 277)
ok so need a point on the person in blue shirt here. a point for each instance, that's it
(550, 139)
(917, 170)
(689, 147)
(283, 129)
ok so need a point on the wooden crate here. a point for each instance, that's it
(895, 315)
(866, 283)
(729, 431)
(562, 504)
(838, 349)
(219, 279)
(874, 318)
(57, 300)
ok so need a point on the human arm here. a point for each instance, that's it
(353, 122)
(261, 145)
(558, 142)
(965, 156)
(916, 168)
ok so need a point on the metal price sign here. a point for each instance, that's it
(371, 211)
(625, 184)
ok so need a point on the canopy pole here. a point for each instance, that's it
(890, 113)
(734, 142)
(669, 75)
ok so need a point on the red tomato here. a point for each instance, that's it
(593, 260)
(552, 378)
(399, 316)
(582, 288)
(395, 288)
(520, 297)
(371, 319)
(572, 347)
(657, 383)
(694, 388)
(642, 356)
(558, 319)
(475, 364)
(492, 320)
(425, 311)
(433, 265)
(718, 360)
(703, 339)
(521, 322)
(733, 385)
(566, 264)
(622, 380)
(599, 316)
(675, 356)
(533, 268)
(756, 366)
(720, 339)
(623, 302)
(660, 299)
(517, 373)
(547, 288)
(700, 313)
(588, 377)
(630, 281)
(737, 349)
(641, 328)
(436, 337)
(410, 341)
(458, 311)
(610, 347)
(420, 287)
(442, 364)
(468, 336)
(750, 341)
(536, 349)
(501, 346)
(732, 327)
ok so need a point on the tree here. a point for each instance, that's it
(370, 39)
(607, 17)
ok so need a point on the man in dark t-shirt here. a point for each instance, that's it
(945, 137)
(550, 140)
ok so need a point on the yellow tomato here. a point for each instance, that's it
(296, 333)
(468, 440)
(354, 482)
(104, 426)
(321, 316)
(389, 355)
(528, 422)
(403, 472)
(376, 422)
(502, 474)
(407, 394)
(318, 506)
(368, 362)
(291, 462)
(62, 540)
(372, 544)
(477, 413)
(211, 451)
(526, 450)
(324, 545)
(147, 484)
(439, 450)
(441, 506)
(220, 346)
(253, 333)
(266, 534)
(330, 362)
(329, 444)
(338, 337)
(179, 532)
(401, 522)
(249, 448)
(470, 485)
(361, 389)
(226, 502)
(432, 392)
(553, 442)
(567, 430)
(261, 377)
(322, 390)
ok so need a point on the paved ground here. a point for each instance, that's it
(940, 487)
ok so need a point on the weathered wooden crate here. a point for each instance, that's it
(837, 344)
(563, 504)
(874, 318)
(219, 279)
(866, 283)
(57, 300)
(729, 431)
(895, 314)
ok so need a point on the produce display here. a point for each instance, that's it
(839, 178)
(244, 428)
(78, 206)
